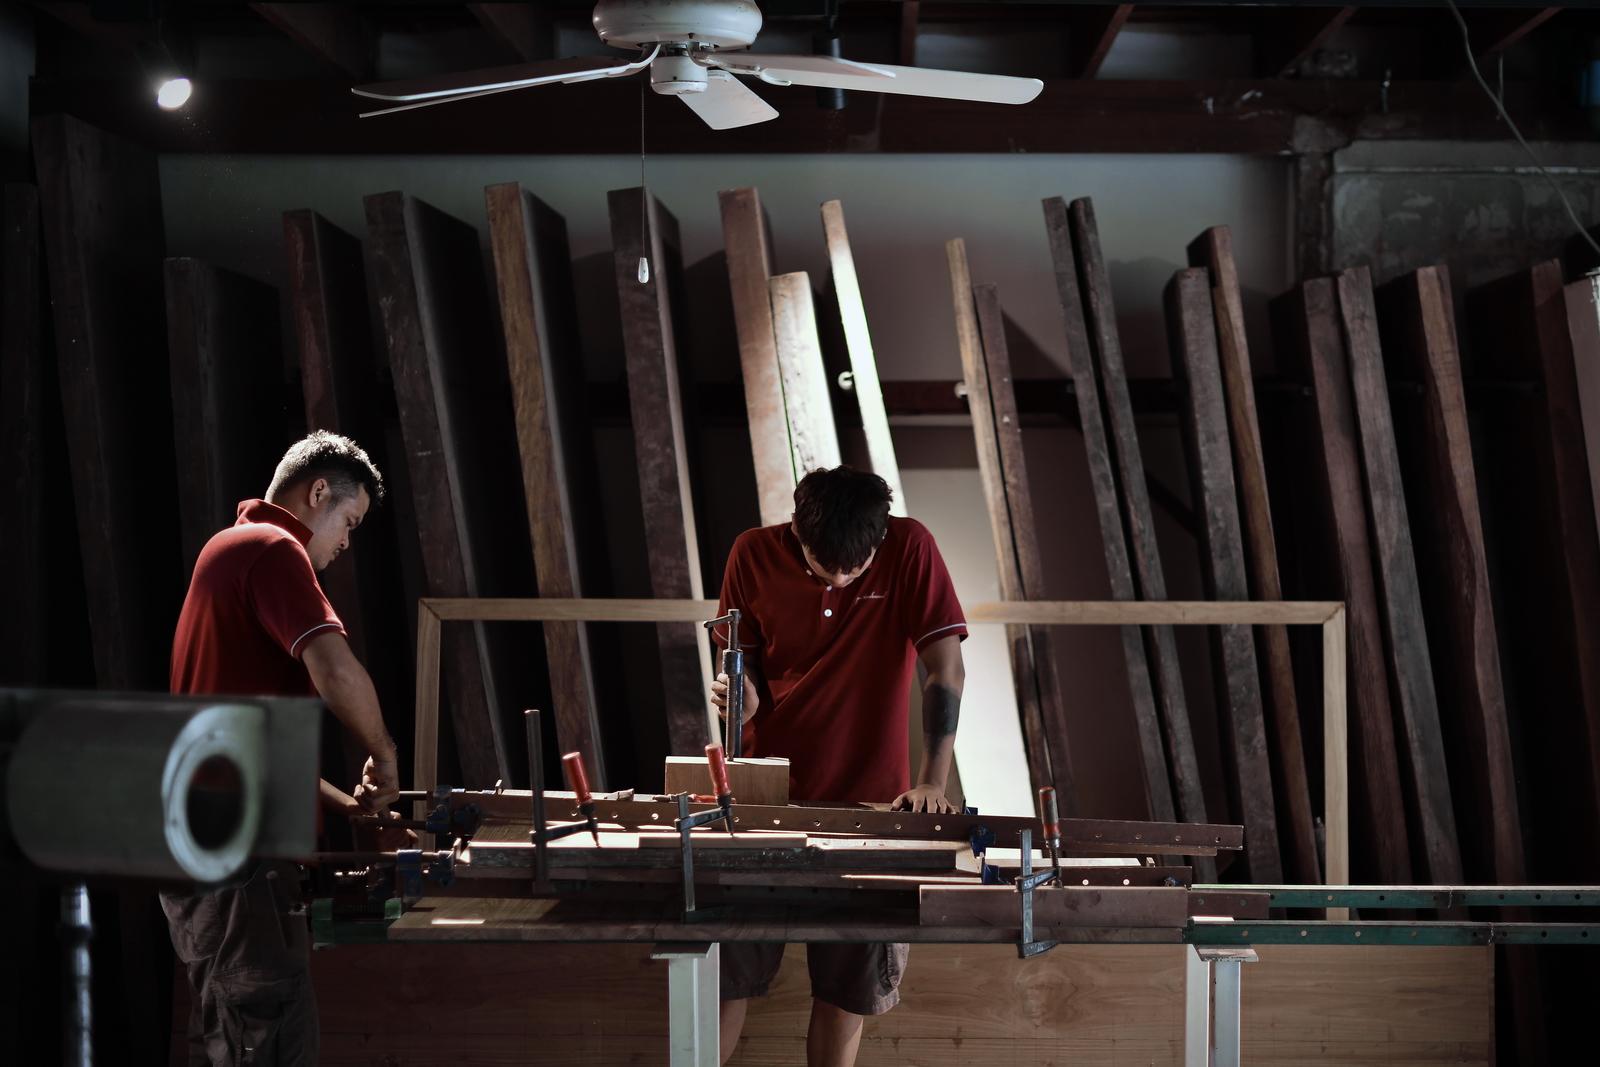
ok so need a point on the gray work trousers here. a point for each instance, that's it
(248, 960)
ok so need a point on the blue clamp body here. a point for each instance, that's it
(982, 838)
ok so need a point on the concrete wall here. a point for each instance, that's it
(900, 211)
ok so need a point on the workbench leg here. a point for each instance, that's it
(1225, 1023)
(1197, 1009)
(693, 1001)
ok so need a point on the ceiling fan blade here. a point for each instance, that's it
(728, 103)
(780, 68)
(439, 100)
(914, 81)
(462, 84)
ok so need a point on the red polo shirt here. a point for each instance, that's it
(835, 665)
(253, 604)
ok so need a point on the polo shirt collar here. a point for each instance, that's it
(261, 511)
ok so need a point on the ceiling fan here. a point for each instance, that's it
(690, 48)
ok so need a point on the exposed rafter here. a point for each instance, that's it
(1090, 33)
(910, 14)
(527, 29)
(336, 34)
(1492, 32)
(1296, 35)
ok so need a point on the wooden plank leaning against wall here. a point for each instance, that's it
(641, 226)
(1103, 479)
(228, 393)
(1417, 322)
(1519, 329)
(1024, 675)
(344, 390)
(425, 272)
(1195, 365)
(100, 208)
(1105, 349)
(24, 632)
(746, 240)
(1213, 249)
(1399, 596)
(533, 277)
(1309, 345)
(808, 408)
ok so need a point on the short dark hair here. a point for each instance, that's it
(841, 515)
(321, 454)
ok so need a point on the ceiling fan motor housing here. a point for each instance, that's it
(711, 24)
(676, 74)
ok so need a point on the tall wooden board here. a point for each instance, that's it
(227, 394)
(101, 207)
(1024, 675)
(1399, 596)
(863, 365)
(1192, 331)
(1306, 324)
(1007, 428)
(813, 436)
(641, 226)
(744, 236)
(23, 385)
(1102, 477)
(1105, 346)
(425, 272)
(1213, 249)
(533, 272)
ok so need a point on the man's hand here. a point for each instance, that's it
(377, 833)
(719, 697)
(929, 798)
(380, 782)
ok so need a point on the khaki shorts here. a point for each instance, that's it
(862, 979)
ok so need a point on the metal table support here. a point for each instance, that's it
(1211, 1005)
(693, 993)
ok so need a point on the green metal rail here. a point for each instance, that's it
(1432, 897)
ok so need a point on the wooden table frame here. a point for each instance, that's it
(1330, 615)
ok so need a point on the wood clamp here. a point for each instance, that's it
(686, 823)
(1028, 880)
(577, 780)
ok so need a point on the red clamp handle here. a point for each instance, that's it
(577, 780)
(1048, 813)
(718, 766)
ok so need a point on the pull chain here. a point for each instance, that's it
(644, 197)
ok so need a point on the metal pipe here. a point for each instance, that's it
(76, 932)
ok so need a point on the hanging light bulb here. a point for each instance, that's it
(644, 271)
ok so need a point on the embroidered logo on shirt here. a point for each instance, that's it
(873, 596)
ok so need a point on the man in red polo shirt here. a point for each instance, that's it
(255, 621)
(838, 606)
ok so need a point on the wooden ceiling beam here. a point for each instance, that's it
(337, 35)
(1296, 35)
(527, 29)
(910, 15)
(1090, 34)
(1492, 32)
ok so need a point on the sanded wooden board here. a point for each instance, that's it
(425, 273)
(754, 780)
(1042, 768)
(640, 225)
(988, 905)
(227, 394)
(374, 593)
(533, 278)
(1400, 598)
(1306, 325)
(812, 433)
(100, 205)
(717, 837)
(745, 239)
(24, 389)
(1102, 476)
(1213, 249)
(1040, 647)
(1191, 329)
(1105, 346)
(1583, 326)
(863, 365)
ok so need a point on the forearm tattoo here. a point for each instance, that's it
(941, 708)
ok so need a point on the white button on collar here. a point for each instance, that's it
(827, 613)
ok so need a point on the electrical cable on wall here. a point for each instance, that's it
(1500, 106)
(644, 200)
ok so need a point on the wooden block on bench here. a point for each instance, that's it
(754, 781)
